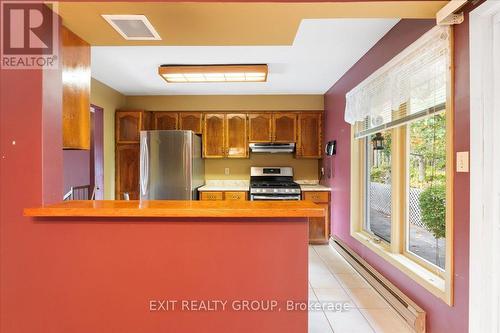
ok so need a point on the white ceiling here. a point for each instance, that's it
(323, 50)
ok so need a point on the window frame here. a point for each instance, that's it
(438, 282)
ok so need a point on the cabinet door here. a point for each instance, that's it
(75, 63)
(211, 196)
(309, 138)
(166, 120)
(148, 121)
(213, 136)
(235, 196)
(190, 121)
(127, 171)
(317, 197)
(284, 127)
(319, 227)
(260, 127)
(128, 125)
(236, 136)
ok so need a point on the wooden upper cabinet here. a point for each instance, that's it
(260, 127)
(191, 121)
(75, 61)
(284, 127)
(166, 120)
(236, 136)
(213, 135)
(309, 135)
(148, 121)
(127, 171)
(128, 125)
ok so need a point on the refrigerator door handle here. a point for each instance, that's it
(145, 168)
(187, 165)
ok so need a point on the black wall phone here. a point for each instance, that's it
(331, 148)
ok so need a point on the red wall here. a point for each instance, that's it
(440, 317)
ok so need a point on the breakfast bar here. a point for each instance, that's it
(178, 208)
(178, 266)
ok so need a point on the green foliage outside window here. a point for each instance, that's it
(433, 210)
(428, 151)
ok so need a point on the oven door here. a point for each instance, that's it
(280, 197)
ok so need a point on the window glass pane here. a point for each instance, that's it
(426, 195)
(378, 185)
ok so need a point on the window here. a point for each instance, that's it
(426, 191)
(401, 162)
(378, 205)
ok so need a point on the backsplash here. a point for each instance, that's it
(240, 168)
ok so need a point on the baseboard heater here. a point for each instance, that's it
(404, 306)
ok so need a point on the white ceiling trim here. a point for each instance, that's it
(323, 50)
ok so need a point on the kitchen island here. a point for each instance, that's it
(177, 266)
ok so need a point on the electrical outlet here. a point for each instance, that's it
(463, 161)
(226, 171)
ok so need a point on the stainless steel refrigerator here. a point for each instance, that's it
(171, 165)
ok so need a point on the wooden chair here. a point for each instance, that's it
(84, 192)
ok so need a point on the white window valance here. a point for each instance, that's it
(413, 82)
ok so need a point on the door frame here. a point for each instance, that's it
(97, 151)
(484, 264)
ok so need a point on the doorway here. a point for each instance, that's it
(484, 271)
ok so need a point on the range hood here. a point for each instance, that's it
(272, 147)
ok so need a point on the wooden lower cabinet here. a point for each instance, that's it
(127, 171)
(317, 197)
(319, 227)
(237, 196)
(220, 195)
(211, 196)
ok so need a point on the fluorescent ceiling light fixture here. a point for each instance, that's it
(213, 73)
(133, 27)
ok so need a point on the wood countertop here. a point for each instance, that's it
(164, 208)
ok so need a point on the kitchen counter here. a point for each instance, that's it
(313, 188)
(243, 186)
(225, 186)
(165, 209)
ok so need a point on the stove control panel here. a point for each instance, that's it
(275, 190)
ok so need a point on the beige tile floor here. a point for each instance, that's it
(333, 283)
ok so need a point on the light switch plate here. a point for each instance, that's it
(463, 161)
(226, 171)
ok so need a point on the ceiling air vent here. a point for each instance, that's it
(133, 27)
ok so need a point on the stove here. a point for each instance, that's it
(273, 183)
